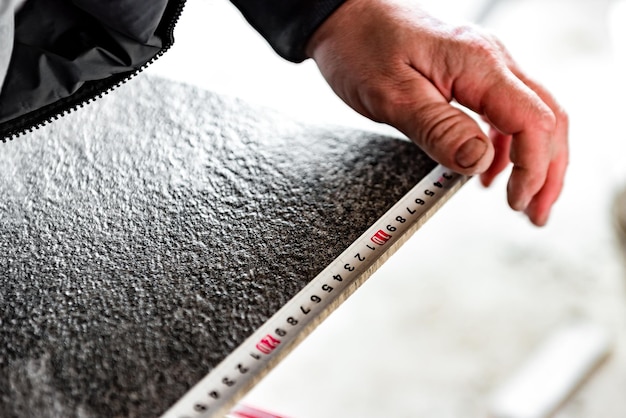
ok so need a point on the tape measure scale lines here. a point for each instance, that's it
(219, 390)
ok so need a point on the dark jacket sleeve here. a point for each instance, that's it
(287, 24)
(68, 52)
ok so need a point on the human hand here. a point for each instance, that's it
(394, 63)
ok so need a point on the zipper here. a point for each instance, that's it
(92, 90)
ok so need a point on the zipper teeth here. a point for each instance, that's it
(35, 122)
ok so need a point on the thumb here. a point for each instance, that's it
(446, 133)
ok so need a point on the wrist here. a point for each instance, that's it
(335, 23)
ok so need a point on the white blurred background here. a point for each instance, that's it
(453, 314)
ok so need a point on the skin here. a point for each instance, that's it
(393, 63)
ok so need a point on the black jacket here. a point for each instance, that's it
(68, 52)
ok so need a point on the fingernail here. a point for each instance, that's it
(470, 153)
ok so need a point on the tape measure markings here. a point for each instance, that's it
(217, 392)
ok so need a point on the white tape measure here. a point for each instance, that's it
(218, 391)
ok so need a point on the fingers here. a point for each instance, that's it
(530, 154)
(539, 152)
(520, 112)
(539, 207)
(530, 128)
(526, 131)
(400, 66)
(444, 132)
(527, 170)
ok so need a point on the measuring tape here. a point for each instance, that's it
(218, 391)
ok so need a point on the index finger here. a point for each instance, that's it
(539, 208)
(515, 109)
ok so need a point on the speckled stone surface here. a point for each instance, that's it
(144, 237)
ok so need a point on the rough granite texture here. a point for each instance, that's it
(144, 237)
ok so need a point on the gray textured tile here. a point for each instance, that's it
(146, 236)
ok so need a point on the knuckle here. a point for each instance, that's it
(474, 51)
(480, 46)
(546, 120)
(439, 125)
